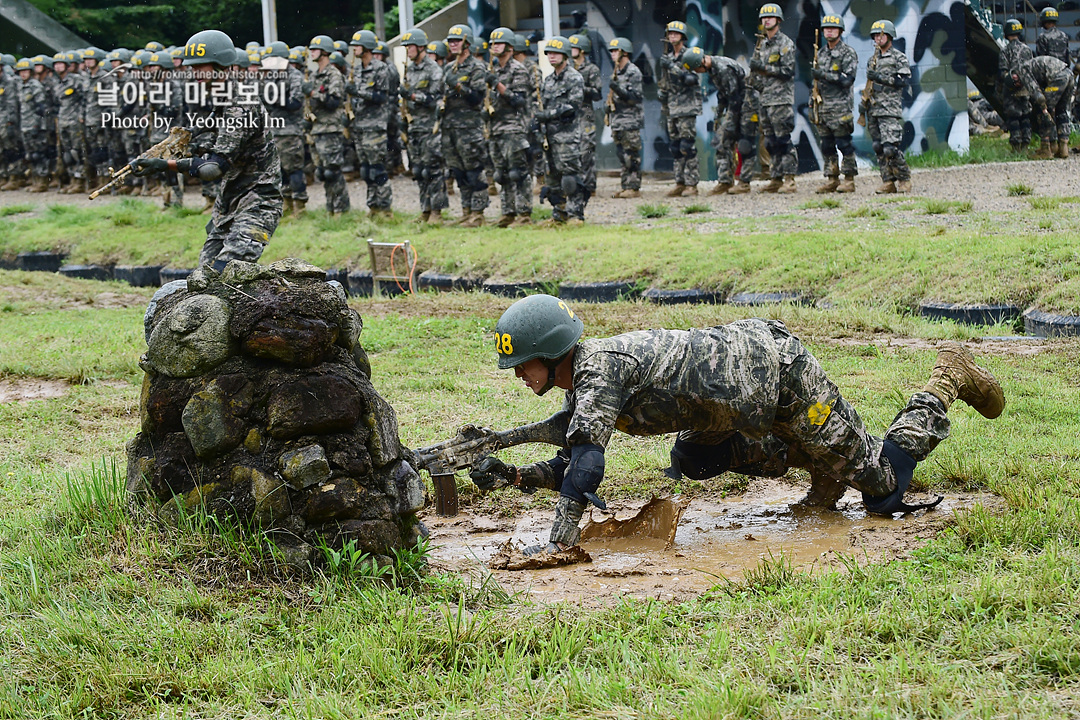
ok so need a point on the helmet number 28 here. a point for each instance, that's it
(504, 344)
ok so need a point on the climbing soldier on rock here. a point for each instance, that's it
(681, 94)
(729, 79)
(508, 94)
(773, 68)
(626, 116)
(834, 74)
(746, 397)
(889, 72)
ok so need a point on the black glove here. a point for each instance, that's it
(567, 112)
(377, 97)
(758, 65)
(307, 86)
(690, 79)
(666, 62)
(819, 74)
(306, 125)
(543, 115)
(148, 166)
(403, 92)
(352, 90)
(873, 75)
(491, 471)
(516, 101)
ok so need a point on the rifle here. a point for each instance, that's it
(868, 91)
(471, 444)
(540, 106)
(173, 146)
(754, 79)
(816, 100)
(309, 116)
(609, 104)
(489, 107)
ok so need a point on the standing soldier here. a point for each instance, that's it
(464, 147)
(71, 101)
(889, 73)
(99, 87)
(12, 171)
(165, 99)
(33, 111)
(562, 97)
(536, 145)
(510, 85)
(421, 90)
(729, 79)
(834, 73)
(680, 93)
(288, 130)
(625, 115)
(580, 49)
(1052, 41)
(1049, 83)
(370, 91)
(326, 94)
(43, 71)
(393, 127)
(1010, 88)
(774, 64)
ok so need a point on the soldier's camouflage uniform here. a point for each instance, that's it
(537, 161)
(327, 100)
(289, 136)
(167, 106)
(48, 83)
(774, 79)
(33, 116)
(393, 123)
(369, 93)
(11, 152)
(563, 95)
(838, 66)
(464, 145)
(884, 117)
(746, 397)
(424, 82)
(729, 79)
(590, 76)
(248, 205)
(98, 137)
(71, 101)
(749, 128)
(1014, 98)
(509, 143)
(1053, 42)
(1049, 83)
(682, 96)
(626, 123)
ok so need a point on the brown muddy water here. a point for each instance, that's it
(713, 539)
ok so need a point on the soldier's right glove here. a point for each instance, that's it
(307, 86)
(492, 471)
(666, 62)
(404, 92)
(306, 125)
(819, 74)
(148, 166)
(758, 65)
(873, 75)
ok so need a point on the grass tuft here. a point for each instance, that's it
(653, 210)
(696, 208)
(16, 209)
(867, 211)
(1019, 190)
(821, 203)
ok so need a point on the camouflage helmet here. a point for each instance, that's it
(338, 59)
(883, 26)
(139, 58)
(254, 57)
(210, 47)
(93, 53)
(296, 56)
(44, 60)
(582, 42)
(23, 64)
(342, 47)
(240, 58)
(277, 49)
(1011, 27)
(365, 39)
(251, 45)
(381, 49)
(460, 32)
(8, 59)
(621, 43)
(692, 58)
(521, 45)
(322, 42)
(415, 36)
(833, 21)
(558, 44)
(438, 47)
(154, 46)
(770, 10)
(502, 35)
(676, 26)
(1048, 14)
(538, 326)
(160, 59)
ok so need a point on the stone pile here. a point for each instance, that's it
(257, 403)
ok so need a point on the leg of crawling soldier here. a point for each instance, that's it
(703, 455)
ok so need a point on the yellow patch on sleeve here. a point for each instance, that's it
(819, 413)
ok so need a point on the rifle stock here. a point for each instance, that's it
(173, 146)
(816, 100)
(867, 93)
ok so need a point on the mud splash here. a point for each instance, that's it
(22, 390)
(714, 540)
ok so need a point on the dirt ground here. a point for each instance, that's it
(984, 185)
(716, 540)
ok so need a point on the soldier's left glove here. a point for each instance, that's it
(490, 471)
(148, 166)
(403, 92)
(306, 125)
(307, 86)
(666, 62)
(819, 74)
(690, 79)
(873, 75)
(758, 65)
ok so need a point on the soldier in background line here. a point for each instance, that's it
(1016, 107)
(166, 107)
(536, 147)
(563, 96)
(288, 133)
(71, 107)
(508, 94)
(1052, 41)
(773, 68)
(680, 94)
(370, 89)
(99, 86)
(729, 79)
(625, 115)
(12, 167)
(326, 97)
(394, 148)
(33, 114)
(464, 145)
(834, 72)
(421, 90)
(889, 72)
(580, 49)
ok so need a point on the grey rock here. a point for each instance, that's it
(209, 425)
(193, 339)
(162, 292)
(383, 443)
(305, 467)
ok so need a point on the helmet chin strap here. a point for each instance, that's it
(551, 365)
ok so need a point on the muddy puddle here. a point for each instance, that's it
(23, 390)
(714, 539)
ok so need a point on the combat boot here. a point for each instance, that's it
(886, 188)
(676, 191)
(424, 217)
(956, 376)
(39, 185)
(741, 188)
(506, 220)
(847, 185)
(830, 185)
(286, 207)
(298, 207)
(789, 185)
(17, 183)
(54, 182)
(630, 194)
(493, 191)
(435, 218)
(166, 198)
(1044, 152)
(720, 189)
(450, 186)
(575, 222)
(1062, 149)
(824, 492)
(521, 221)
(472, 220)
(690, 191)
(77, 186)
(903, 186)
(774, 186)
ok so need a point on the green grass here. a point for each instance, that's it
(867, 211)
(1019, 190)
(650, 210)
(942, 207)
(821, 203)
(16, 209)
(696, 208)
(981, 149)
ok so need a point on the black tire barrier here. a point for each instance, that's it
(43, 261)
(86, 272)
(508, 288)
(683, 297)
(970, 314)
(167, 275)
(1042, 324)
(359, 283)
(599, 292)
(754, 299)
(6, 264)
(432, 280)
(340, 274)
(138, 275)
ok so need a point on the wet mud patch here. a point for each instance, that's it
(23, 390)
(715, 539)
